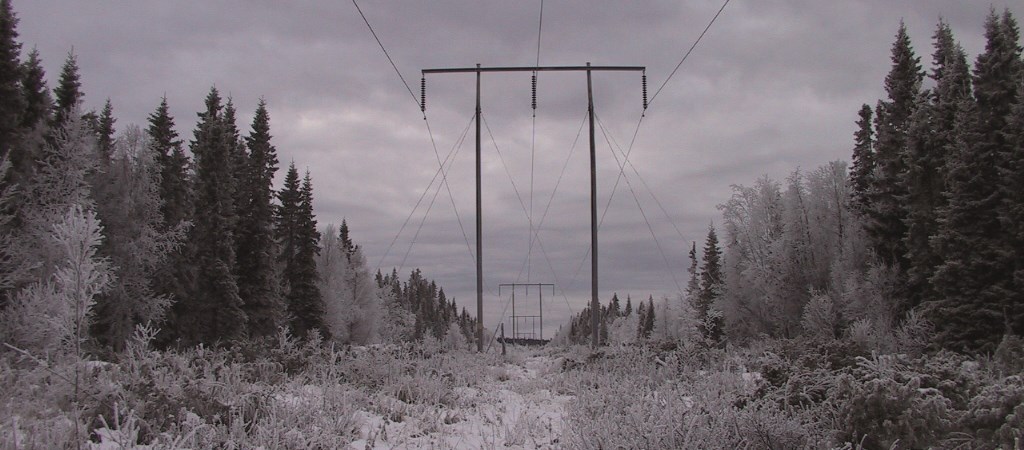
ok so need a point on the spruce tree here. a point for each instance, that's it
(35, 118)
(930, 141)
(693, 286)
(174, 164)
(239, 161)
(38, 102)
(641, 314)
(1012, 213)
(974, 282)
(177, 280)
(105, 133)
(614, 308)
(258, 283)
(629, 307)
(886, 214)
(286, 229)
(649, 318)
(863, 167)
(305, 287)
(127, 203)
(69, 91)
(346, 242)
(12, 102)
(711, 283)
(214, 311)
(299, 238)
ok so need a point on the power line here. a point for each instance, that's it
(702, 33)
(523, 206)
(420, 200)
(454, 153)
(540, 26)
(645, 185)
(444, 179)
(661, 250)
(387, 54)
(433, 142)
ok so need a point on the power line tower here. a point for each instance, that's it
(516, 319)
(594, 306)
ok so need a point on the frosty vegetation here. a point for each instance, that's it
(164, 294)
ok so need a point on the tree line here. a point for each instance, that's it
(921, 239)
(102, 231)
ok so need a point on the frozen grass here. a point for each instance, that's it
(284, 394)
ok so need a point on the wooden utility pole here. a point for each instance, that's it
(594, 305)
(479, 231)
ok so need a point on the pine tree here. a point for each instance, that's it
(214, 311)
(12, 102)
(629, 307)
(863, 167)
(69, 90)
(710, 288)
(258, 283)
(892, 119)
(974, 282)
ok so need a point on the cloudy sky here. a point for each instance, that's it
(774, 85)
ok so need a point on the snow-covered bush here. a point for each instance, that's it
(886, 400)
(820, 317)
(53, 315)
(995, 416)
(352, 301)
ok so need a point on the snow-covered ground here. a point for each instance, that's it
(513, 407)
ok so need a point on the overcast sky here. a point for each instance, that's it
(775, 85)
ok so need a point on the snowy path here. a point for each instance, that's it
(513, 408)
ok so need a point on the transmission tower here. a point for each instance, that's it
(594, 306)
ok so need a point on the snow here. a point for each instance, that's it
(510, 409)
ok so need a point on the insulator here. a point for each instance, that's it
(534, 97)
(423, 94)
(643, 82)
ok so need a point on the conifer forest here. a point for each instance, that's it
(214, 281)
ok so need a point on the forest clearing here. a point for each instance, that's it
(170, 290)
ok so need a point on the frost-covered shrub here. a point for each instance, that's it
(1009, 355)
(883, 402)
(619, 406)
(454, 339)
(821, 317)
(53, 315)
(995, 415)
